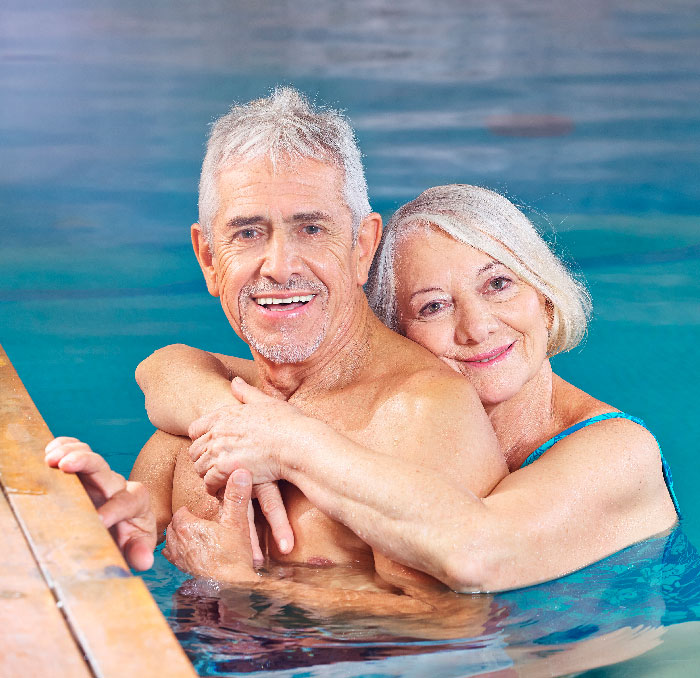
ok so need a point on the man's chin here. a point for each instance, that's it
(284, 354)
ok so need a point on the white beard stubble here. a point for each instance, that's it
(288, 351)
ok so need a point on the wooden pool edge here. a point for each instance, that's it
(68, 603)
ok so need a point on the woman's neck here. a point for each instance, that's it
(523, 422)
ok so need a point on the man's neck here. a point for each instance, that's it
(340, 358)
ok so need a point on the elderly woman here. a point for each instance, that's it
(463, 272)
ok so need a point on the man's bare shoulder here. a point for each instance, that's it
(404, 368)
(422, 390)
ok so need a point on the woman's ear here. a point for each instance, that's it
(368, 237)
(205, 258)
(549, 311)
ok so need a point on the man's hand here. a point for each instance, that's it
(123, 506)
(220, 549)
(247, 436)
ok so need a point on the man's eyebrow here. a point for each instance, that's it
(312, 216)
(242, 222)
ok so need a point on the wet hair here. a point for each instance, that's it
(492, 224)
(285, 127)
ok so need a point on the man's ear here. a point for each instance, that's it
(205, 259)
(368, 237)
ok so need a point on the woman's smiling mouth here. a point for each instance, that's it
(490, 357)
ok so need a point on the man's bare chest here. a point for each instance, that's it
(319, 540)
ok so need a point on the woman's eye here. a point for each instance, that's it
(499, 284)
(431, 308)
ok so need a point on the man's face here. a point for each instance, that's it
(283, 264)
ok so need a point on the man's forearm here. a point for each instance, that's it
(180, 384)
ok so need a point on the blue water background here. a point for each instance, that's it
(103, 117)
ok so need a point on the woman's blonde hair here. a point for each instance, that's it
(491, 223)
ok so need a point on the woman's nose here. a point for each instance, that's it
(474, 324)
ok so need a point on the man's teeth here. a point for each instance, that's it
(266, 301)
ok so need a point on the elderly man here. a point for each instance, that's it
(285, 239)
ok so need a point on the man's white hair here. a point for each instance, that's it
(491, 223)
(285, 127)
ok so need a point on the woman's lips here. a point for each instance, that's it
(490, 357)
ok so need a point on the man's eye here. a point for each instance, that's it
(246, 233)
(312, 229)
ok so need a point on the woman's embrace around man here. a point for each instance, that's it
(464, 274)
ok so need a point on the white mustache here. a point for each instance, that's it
(293, 284)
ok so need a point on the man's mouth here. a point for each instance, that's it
(284, 304)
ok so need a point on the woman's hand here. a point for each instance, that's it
(123, 506)
(250, 435)
(216, 549)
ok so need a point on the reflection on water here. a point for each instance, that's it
(612, 611)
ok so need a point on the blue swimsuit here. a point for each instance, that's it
(601, 417)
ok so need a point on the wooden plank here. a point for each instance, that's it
(111, 613)
(27, 606)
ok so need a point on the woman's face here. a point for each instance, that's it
(472, 312)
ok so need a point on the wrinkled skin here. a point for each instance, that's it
(219, 549)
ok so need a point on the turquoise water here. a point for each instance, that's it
(105, 108)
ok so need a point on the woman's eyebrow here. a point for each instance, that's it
(485, 268)
(425, 289)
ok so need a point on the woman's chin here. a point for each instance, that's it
(492, 395)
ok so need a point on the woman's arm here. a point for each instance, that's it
(181, 383)
(579, 503)
(592, 494)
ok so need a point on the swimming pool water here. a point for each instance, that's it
(588, 115)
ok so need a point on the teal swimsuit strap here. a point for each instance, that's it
(602, 417)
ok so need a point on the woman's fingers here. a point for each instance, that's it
(275, 513)
(199, 445)
(202, 425)
(214, 480)
(247, 394)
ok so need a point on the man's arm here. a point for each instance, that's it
(170, 376)
(154, 468)
(180, 384)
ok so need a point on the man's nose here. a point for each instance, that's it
(280, 260)
(475, 323)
